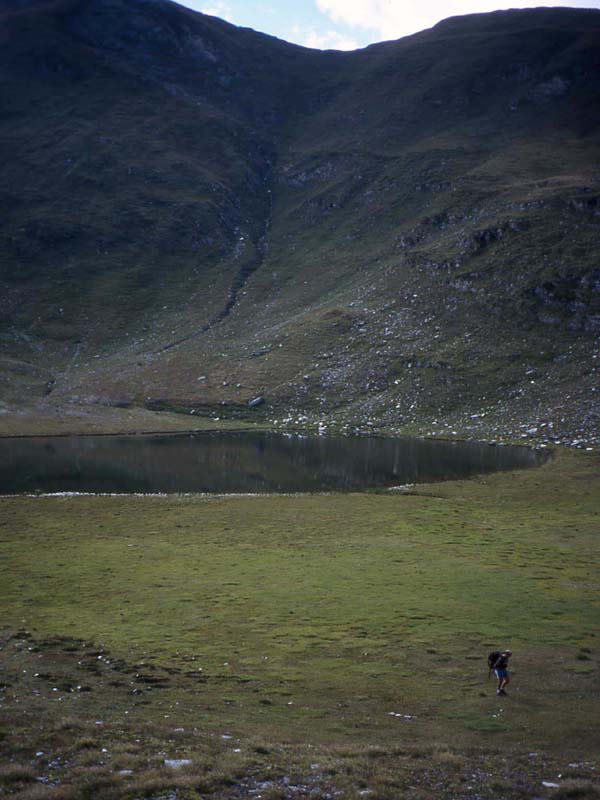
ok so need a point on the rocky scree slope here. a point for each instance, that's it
(403, 237)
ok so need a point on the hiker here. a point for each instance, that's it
(500, 667)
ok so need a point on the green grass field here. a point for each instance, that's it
(337, 625)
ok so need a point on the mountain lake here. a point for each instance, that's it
(243, 462)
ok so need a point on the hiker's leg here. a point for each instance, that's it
(502, 680)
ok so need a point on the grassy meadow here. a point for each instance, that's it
(326, 642)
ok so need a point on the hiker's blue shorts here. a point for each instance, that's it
(501, 673)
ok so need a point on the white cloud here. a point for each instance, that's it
(328, 40)
(216, 9)
(321, 39)
(391, 19)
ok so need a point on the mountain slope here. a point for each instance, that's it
(195, 214)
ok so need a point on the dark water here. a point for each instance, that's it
(241, 462)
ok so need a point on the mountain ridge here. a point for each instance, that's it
(393, 236)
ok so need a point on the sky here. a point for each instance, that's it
(349, 24)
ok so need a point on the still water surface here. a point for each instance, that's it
(229, 462)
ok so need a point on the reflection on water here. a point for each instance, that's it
(227, 462)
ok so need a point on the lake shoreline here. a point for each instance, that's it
(244, 462)
(84, 421)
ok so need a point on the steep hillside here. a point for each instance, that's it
(407, 236)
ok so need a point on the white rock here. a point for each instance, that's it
(177, 763)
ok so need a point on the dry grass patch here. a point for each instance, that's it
(42, 792)
(577, 789)
(11, 774)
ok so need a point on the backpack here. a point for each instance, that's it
(492, 658)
